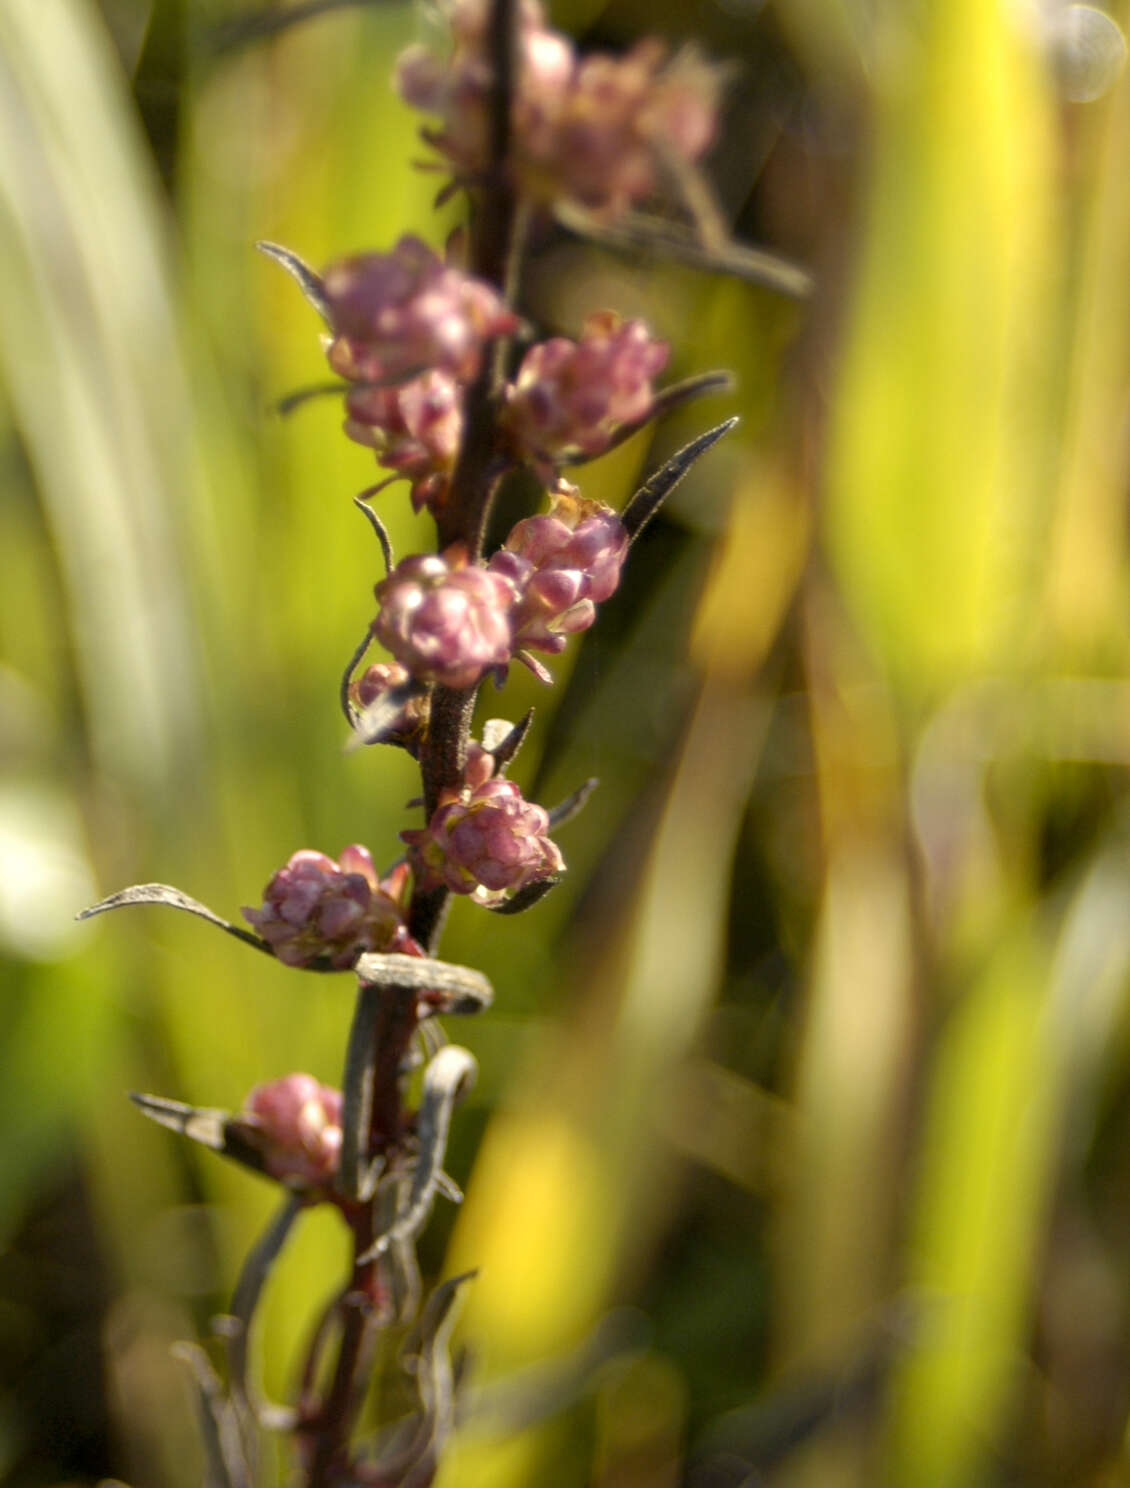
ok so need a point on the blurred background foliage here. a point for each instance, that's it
(805, 1103)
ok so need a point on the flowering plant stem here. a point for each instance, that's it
(425, 349)
(443, 752)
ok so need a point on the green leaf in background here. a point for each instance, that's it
(936, 492)
(93, 367)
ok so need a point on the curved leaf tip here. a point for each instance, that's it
(156, 893)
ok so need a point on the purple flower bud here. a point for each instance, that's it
(597, 131)
(457, 91)
(401, 313)
(296, 1123)
(486, 842)
(562, 564)
(572, 396)
(444, 619)
(416, 430)
(316, 908)
(624, 115)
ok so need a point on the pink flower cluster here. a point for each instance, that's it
(409, 332)
(396, 315)
(296, 1124)
(570, 397)
(444, 619)
(562, 565)
(314, 908)
(484, 840)
(598, 130)
(415, 429)
(449, 621)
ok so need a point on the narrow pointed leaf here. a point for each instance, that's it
(664, 402)
(219, 1131)
(351, 714)
(573, 804)
(292, 401)
(357, 1093)
(375, 522)
(309, 282)
(450, 1190)
(504, 740)
(528, 659)
(409, 1451)
(447, 1080)
(225, 1453)
(427, 1355)
(636, 232)
(655, 491)
(235, 1327)
(155, 893)
(436, 1322)
(526, 897)
(689, 388)
(199, 1123)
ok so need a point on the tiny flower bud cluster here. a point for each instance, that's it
(571, 397)
(457, 92)
(444, 619)
(562, 565)
(627, 117)
(409, 332)
(598, 130)
(449, 621)
(296, 1122)
(315, 909)
(395, 315)
(415, 429)
(484, 840)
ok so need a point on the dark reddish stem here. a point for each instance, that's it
(396, 1027)
(496, 234)
(327, 1430)
(493, 238)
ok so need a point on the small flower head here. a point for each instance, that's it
(401, 313)
(625, 116)
(457, 91)
(314, 908)
(573, 396)
(415, 429)
(444, 619)
(296, 1122)
(562, 564)
(602, 131)
(485, 841)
